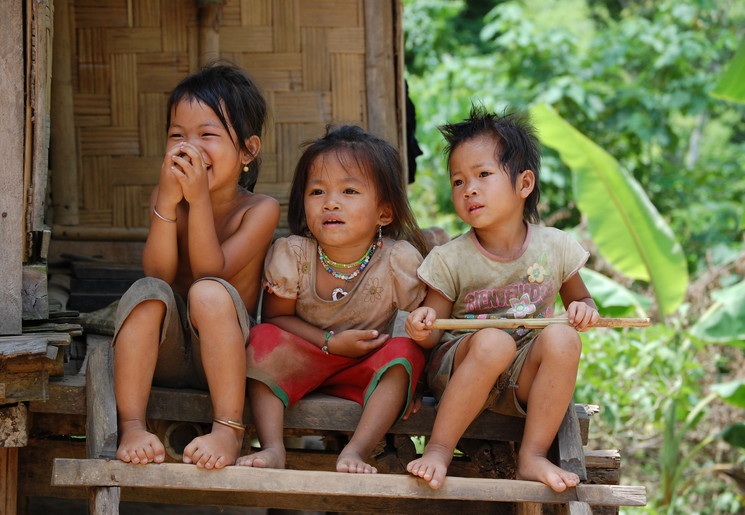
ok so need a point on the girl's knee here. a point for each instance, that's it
(561, 341)
(208, 296)
(489, 346)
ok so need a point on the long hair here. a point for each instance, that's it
(378, 160)
(236, 100)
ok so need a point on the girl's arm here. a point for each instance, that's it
(160, 254)
(581, 309)
(419, 322)
(249, 242)
(352, 343)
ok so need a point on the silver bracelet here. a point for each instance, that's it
(155, 212)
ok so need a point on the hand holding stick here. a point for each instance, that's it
(467, 324)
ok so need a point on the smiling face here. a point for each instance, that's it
(483, 194)
(341, 206)
(194, 123)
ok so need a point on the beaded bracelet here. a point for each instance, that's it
(155, 212)
(325, 347)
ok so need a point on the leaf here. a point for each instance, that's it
(732, 392)
(624, 224)
(612, 298)
(724, 321)
(735, 434)
(731, 85)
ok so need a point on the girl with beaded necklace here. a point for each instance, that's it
(332, 292)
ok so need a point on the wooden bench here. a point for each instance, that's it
(486, 443)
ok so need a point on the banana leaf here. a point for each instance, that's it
(724, 321)
(623, 222)
(731, 85)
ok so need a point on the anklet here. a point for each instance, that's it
(230, 423)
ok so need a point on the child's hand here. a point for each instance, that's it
(354, 343)
(581, 315)
(419, 323)
(188, 168)
(414, 406)
(169, 189)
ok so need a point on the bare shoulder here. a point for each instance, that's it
(260, 202)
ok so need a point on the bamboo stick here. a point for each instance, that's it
(528, 323)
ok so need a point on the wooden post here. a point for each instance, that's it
(8, 479)
(380, 69)
(101, 429)
(63, 150)
(571, 454)
(210, 16)
(11, 171)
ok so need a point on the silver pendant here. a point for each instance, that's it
(338, 293)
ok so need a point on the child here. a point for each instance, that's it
(504, 267)
(207, 242)
(333, 290)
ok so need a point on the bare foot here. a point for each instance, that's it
(538, 468)
(269, 457)
(352, 462)
(138, 445)
(432, 466)
(215, 450)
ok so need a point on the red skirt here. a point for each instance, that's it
(293, 367)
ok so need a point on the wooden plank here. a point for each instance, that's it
(101, 429)
(12, 171)
(181, 476)
(571, 454)
(35, 292)
(9, 482)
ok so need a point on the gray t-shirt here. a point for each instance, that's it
(482, 285)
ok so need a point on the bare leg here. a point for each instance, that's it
(224, 359)
(135, 357)
(381, 411)
(268, 414)
(546, 383)
(479, 361)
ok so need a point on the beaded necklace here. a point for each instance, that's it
(361, 263)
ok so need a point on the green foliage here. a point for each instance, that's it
(731, 86)
(612, 299)
(724, 321)
(624, 225)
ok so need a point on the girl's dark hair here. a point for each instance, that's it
(236, 100)
(518, 148)
(381, 163)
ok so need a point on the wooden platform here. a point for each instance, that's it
(331, 485)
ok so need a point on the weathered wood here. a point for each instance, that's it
(101, 428)
(14, 426)
(34, 292)
(63, 148)
(316, 412)
(528, 323)
(103, 501)
(12, 169)
(39, 94)
(571, 454)
(8, 479)
(381, 71)
(181, 476)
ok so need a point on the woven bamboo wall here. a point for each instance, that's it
(309, 57)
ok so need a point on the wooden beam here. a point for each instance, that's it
(8, 479)
(106, 473)
(63, 150)
(12, 171)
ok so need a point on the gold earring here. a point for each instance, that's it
(245, 168)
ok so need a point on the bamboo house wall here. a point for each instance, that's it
(115, 61)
